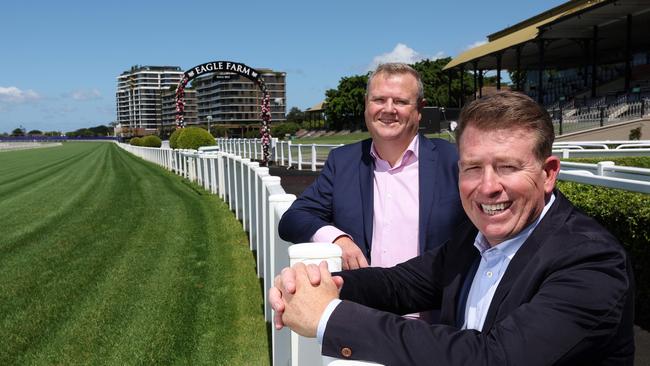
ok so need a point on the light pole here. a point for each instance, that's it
(209, 118)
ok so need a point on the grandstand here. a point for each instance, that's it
(587, 61)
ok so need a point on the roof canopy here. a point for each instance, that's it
(566, 31)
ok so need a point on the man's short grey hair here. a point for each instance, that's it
(397, 68)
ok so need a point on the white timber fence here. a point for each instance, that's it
(258, 200)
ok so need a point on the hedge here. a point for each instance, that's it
(151, 141)
(193, 138)
(136, 141)
(289, 128)
(173, 138)
(627, 216)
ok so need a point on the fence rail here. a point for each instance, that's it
(313, 157)
(283, 153)
(258, 200)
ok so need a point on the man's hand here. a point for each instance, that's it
(285, 286)
(306, 305)
(353, 258)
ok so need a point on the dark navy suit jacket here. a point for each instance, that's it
(566, 298)
(342, 196)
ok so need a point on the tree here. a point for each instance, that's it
(295, 115)
(35, 133)
(18, 132)
(345, 105)
(436, 83)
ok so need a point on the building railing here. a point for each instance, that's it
(258, 200)
(599, 114)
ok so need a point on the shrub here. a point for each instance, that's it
(194, 137)
(627, 216)
(219, 131)
(283, 129)
(173, 138)
(151, 141)
(136, 141)
(252, 134)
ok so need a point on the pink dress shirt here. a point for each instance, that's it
(396, 210)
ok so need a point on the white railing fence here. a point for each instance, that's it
(283, 153)
(313, 157)
(258, 201)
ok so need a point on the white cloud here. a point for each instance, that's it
(12, 94)
(401, 53)
(85, 94)
(476, 44)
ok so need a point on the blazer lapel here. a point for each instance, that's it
(459, 269)
(427, 159)
(366, 174)
(553, 219)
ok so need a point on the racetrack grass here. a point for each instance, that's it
(107, 259)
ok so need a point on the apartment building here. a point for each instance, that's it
(138, 97)
(233, 99)
(168, 107)
(146, 99)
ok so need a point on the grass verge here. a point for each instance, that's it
(107, 259)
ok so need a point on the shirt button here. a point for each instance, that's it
(346, 352)
(489, 274)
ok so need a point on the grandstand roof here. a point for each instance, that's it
(564, 29)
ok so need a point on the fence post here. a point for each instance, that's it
(250, 177)
(313, 157)
(602, 116)
(299, 156)
(289, 157)
(256, 227)
(268, 182)
(600, 169)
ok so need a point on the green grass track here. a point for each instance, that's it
(108, 259)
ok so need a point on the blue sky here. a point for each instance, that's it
(60, 59)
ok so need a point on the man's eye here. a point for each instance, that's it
(507, 168)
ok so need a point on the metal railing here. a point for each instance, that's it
(258, 200)
(607, 174)
(598, 115)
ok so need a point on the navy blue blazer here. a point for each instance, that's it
(565, 299)
(342, 196)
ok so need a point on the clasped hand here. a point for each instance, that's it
(300, 295)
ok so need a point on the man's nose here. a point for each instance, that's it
(490, 183)
(389, 106)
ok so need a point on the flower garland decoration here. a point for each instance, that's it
(180, 102)
(243, 70)
(265, 130)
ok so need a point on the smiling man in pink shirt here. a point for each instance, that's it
(387, 199)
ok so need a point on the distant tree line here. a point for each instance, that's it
(97, 131)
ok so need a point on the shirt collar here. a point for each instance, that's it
(509, 247)
(409, 155)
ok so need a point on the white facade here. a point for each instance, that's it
(138, 96)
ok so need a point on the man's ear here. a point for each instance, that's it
(551, 168)
(422, 104)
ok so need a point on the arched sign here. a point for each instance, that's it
(237, 68)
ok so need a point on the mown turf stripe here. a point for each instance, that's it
(141, 268)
